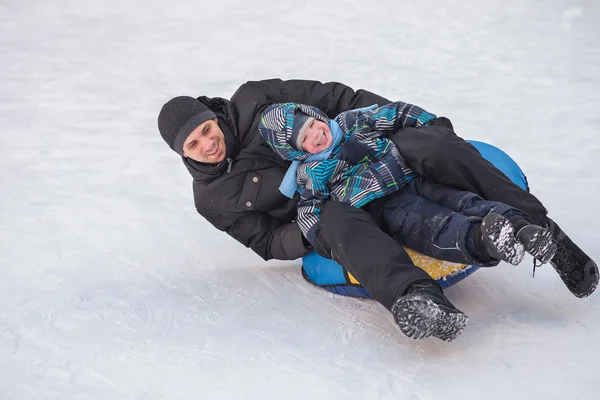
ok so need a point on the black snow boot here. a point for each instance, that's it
(499, 239)
(424, 311)
(578, 272)
(538, 242)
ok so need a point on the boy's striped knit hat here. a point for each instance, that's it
(282, 124)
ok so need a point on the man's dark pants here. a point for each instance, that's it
(438, 155)
(355, 240)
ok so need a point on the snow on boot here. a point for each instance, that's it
(576, 269)
(538, 242)
(499, 239)
(424, 311)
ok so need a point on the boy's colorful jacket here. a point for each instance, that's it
(359, 167)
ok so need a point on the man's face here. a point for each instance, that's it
(317, 137)
(206, 143)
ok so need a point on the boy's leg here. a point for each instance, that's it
(438, 154)
(464, 202)
(432, 229)
(536, 240)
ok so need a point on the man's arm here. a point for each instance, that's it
(268, 237)
(331, 97)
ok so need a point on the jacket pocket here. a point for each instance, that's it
(250, 191)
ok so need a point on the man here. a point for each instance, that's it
(237, 176)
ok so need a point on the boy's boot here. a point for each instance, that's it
(498, 236)
(536, 240)
(424, 311)
(578, 272)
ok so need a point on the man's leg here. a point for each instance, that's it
(384, 268)
(576, 269)
(438, 154)
(351, 237)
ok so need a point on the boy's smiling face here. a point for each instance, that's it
(316, 137)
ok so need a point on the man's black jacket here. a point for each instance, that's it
(241, 195)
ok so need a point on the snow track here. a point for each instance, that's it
(112, 287)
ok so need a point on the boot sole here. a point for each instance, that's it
(587, 286)
(419, 317)
(499, 236)
(541, 246)
(590, 273)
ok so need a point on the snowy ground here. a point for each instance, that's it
(112, 287)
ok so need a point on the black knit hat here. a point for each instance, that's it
(179, 117)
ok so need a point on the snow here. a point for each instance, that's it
(113, 287)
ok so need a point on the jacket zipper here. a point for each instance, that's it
(229, 162)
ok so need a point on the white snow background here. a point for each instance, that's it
(113, 287)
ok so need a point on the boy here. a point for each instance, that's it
(349, 160)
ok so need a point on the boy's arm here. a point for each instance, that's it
(309, 215)
(388, 118)
(368, 128)
(314, 178)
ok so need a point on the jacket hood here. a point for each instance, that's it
(276, 127)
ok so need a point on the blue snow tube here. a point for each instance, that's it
(331, 276)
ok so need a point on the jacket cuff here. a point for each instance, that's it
(290, 244)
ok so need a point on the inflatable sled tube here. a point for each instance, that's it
(331, 276)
